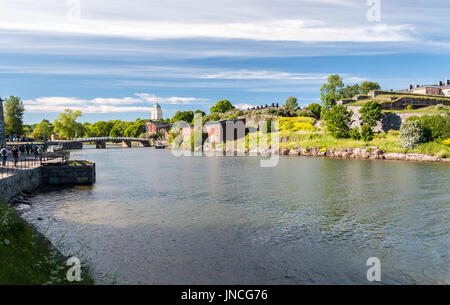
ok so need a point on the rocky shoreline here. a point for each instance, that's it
(370, 153)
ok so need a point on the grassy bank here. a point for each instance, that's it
(387, 142)
(26, 258)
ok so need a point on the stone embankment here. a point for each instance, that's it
(372, 153)
(28, 180)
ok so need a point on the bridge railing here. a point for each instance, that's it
(109, 139)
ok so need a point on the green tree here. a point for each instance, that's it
(350, 91)
(330, 92)
(291, 105)
(371, 113)
(13, 111)
(316, 109)
(67, 126)
(43, 130)
(367, 86)
(135, 129)
(186, 116)
(338, 121)
(199, 111)
(118, 130)
(222, 106)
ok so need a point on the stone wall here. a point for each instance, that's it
(22, 181)
(403, 102)
(67, 145)
(389, 121)
(28, 180)
(68, 173)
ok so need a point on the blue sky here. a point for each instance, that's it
(113, 59)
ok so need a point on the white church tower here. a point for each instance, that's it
(157, 112)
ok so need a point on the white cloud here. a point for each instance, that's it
(243, 106)
(142, 103)
(278, 30)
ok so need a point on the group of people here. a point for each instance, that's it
(17, 151)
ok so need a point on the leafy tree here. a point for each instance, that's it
(331, 91)
(118, 129)
(13, 110)
(199, 111)
(371, 113)
(186, 116)
(291, 105)
(222, 106)
(367, 86)
(412, 134)
(135, 129)
(338, 121)
(27, 131)
(316, 109)
(350, 91)
(43, 130)
(66, 124)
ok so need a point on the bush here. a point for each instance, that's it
(316, 109)
(437, 128)
(354, 134)
(366, 133)
(338, 121)
(439, 107)
(296, 124)
(409, 107)
(412, 134)
(446, 142)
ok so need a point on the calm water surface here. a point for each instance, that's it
(153, 218)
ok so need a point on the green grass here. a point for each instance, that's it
(26, 258)
(424, 110)
(387, 142)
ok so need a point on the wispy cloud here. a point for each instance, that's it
(278, 30)
(143, 102)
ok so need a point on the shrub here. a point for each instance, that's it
(354, 134)
(412, 133)
(446, 142)
(366, 133)
(234, 115)
(409, 107)
(436, 127)
(439, 107)
(316, 109)
(297, 124)
(338, 122)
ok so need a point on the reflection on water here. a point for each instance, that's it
(154, 218)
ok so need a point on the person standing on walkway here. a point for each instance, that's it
(22, 149)
(36, 152)
(4, 154)
(28, 148)
(15, 154)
